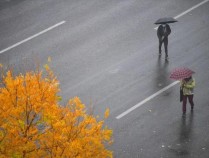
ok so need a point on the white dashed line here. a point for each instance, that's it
(146, 100)
(31, 37)
(188, 10)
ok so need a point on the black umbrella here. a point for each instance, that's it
(165, 20)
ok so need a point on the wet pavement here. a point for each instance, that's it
(107, 54)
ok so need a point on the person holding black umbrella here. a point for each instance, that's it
(163, 32)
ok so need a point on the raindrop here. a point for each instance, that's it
(113, 71)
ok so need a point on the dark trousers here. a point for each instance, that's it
(190, 98)
(165, 42)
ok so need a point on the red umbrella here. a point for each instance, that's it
(181, 73)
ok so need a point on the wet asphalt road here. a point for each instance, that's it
(106, 53)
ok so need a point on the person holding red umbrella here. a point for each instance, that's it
(187, 85)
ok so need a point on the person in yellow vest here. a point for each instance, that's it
(187, 85)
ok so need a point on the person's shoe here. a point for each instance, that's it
(192, 108)
(184, 115)
(160, 54)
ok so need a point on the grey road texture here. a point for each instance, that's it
(106, 52)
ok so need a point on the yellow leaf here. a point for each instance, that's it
(49, 59)
(59, 98)
(107, 113)
(46, 66)
(21, 123)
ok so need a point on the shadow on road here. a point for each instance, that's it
(183, 145)
(162, 75)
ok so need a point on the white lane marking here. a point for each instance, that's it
(192, 8)
(31, 37)
(146, 100)
(189, 10)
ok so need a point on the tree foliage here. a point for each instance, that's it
(34, 124)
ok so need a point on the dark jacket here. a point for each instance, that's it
(161, 33)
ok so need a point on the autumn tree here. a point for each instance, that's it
(33, 124)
